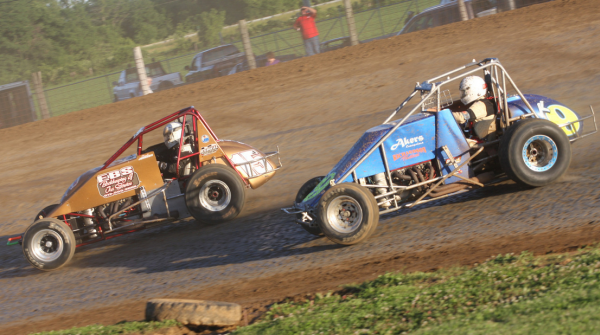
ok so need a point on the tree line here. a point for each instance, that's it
(71, 39)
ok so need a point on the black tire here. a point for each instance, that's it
(48, 244)
(302, 193)
(165, 85)
(348, 198)
(534, 152)
(215, 194)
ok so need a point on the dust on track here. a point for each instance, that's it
(314, 108)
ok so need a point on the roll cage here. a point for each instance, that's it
(183, 115)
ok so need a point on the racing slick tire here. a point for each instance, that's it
(348, 213)
(214, 194)
(302, 193)
(48, 244)
(535, 152)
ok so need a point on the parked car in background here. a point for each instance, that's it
(212, 63)
(447, 12)
(129, 86)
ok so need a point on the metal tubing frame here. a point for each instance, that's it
(264, 161)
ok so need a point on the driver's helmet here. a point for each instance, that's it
(472, 88)
(172, 134)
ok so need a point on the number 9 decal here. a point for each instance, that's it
(560, 115)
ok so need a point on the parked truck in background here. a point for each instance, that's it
(129, 86)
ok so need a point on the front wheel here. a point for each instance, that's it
(535, 152)
(215, 194)
(48, 244)
(348, 213)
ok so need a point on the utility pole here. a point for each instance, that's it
(247, 45)
(141, 70)
(351, 25)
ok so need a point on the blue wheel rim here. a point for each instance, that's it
(540, 153)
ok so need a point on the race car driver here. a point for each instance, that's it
(166, 152)
(479, 110)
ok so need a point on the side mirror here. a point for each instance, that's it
(115, 83)
(187, 68)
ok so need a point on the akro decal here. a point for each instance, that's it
(117, 181)
(408, 142)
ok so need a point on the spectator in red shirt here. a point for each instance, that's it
(306, 24)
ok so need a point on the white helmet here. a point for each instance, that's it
(172, 134)
(472, 88)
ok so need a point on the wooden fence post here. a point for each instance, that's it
(39, 93)
(141, 70)
(247, 45)
(463, 10)
(351, 24)
(511, 4)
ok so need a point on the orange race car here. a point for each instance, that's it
(189, 172)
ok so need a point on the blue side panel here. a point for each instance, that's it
(553, 111)
(449, 134)
(411, 143)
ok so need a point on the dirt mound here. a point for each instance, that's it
(314, 108)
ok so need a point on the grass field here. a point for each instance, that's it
(369, 24)
(508, 294)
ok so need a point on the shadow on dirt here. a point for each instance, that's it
(249, 240)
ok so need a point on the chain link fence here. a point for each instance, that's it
(373, 23)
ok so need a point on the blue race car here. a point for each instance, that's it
(428, 155)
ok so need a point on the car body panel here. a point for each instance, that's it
(119, 181)
(549, 109)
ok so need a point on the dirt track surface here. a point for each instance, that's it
(314, 109)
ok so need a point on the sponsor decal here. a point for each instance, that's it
(210, 149)
(408, 142)
(117, 181)
(144, 156)
(205, 138)
(410, 154)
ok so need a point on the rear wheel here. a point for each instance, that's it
(311, 226)
(215, 194)
(348, 213)
(535, 152)
(48, 244)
